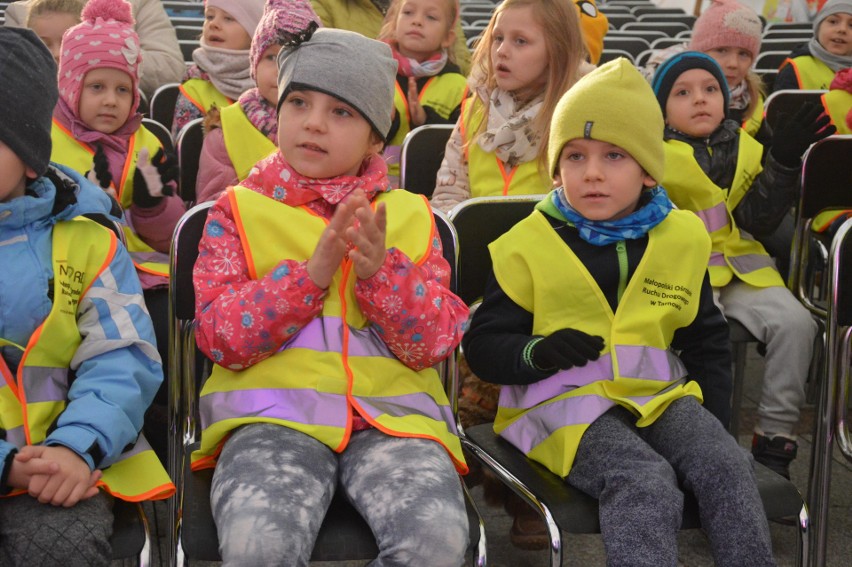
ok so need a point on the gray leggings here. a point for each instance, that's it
(272, 487)
(635, 474)
(32, 533)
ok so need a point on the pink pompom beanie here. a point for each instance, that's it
(282, 21)
(246, 12)
(105, 38)
(727, 23)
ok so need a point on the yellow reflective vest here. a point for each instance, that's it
(31, 402)
(811, 73)
(735, 252)
(246, 145)
(487, 173)
(636, 369)
(78, 156)
(204, 95)
(838, 104)
(338, 361)
(442, 93)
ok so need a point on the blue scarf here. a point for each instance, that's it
(635, 225)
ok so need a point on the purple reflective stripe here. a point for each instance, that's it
(715, 217)
(648, 363)
(325, 334)
(408, 404)
(301, 406)
(717, 259)
(561, 382)
(16, 436)
(751, 263)
(539, 423)
(45, 384)
(152, 257)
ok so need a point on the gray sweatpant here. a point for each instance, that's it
(635, 474)
(777, 319)
(32, 533)
(272, 486)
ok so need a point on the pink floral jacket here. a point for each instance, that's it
(242, 321)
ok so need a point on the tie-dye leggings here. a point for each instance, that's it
(272, 487)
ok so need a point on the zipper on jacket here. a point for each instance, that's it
(621, 250)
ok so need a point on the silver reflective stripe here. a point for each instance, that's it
(45, 384)
(418, 403)
(648, 363)
(715, 217)
(751, 263)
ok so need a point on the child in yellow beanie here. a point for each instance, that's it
(582, 328)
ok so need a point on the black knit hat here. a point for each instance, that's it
(673, 67)
(28, 91)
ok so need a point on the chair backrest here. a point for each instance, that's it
(161, 132)
(163, 104)
(666, 42)
(783, 104)
(767, 76)
(189, 142)
(802, 35)
(682, 18)
(647, 35)
(611, 54)
(188, 32)
(671, 29)
(618, 20)
(771, 59)
(826, 180)
(187, 46)
(632, 45)
(478, 222)
(787, 44)
(421, 156)
(653, 9)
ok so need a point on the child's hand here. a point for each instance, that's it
(99, 174)
(415, 110)
(369, 239)
(154, 178)
(795, 135)
(67, 486)
(566, 349)
(331, 247)
(25, 465)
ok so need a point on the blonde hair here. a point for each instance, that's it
(41, 7)
(563, 39)
(388, 31)
(755, 89)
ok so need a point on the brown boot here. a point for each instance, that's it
(528, 531)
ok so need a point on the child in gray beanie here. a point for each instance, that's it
(814, 64)
(325, 324)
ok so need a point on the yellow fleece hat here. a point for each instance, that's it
(594, 25)
(615, 104)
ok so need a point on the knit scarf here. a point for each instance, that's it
(654, 206)
(510, 134)
(229, 69)
(409, 67)
(114, 145)
(260, 113)
(739, 96)
(832, 61)
(274, 177)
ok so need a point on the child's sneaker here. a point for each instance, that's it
(776, 453)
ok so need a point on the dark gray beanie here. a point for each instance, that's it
(28, 89)
(346, 65)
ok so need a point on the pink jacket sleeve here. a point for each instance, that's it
(215, 170)
(417, 316)
(242, 321)
(155, 225)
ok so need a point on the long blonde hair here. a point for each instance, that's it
(388, 31)
(38, 8)
(563, 39)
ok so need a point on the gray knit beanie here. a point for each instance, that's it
(346, 65)
(29, 91)
(829, 8)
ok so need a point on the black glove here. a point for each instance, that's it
(154, 179)
(795, 134)
(99, 174)
(565, 349)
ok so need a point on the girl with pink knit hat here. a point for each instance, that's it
(220, 72)
(97, 130)
(247, 131)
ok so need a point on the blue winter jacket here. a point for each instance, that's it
(117, 367)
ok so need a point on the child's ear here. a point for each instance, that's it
(649, 181)
(30, 173)
(557, 179)
(450, 39)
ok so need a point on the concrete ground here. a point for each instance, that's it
(587, 550)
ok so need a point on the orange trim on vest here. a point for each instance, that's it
(232, 198)
(119, 191)
(158, 493)
(507, 178)
(197, 104)
(8, 377)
